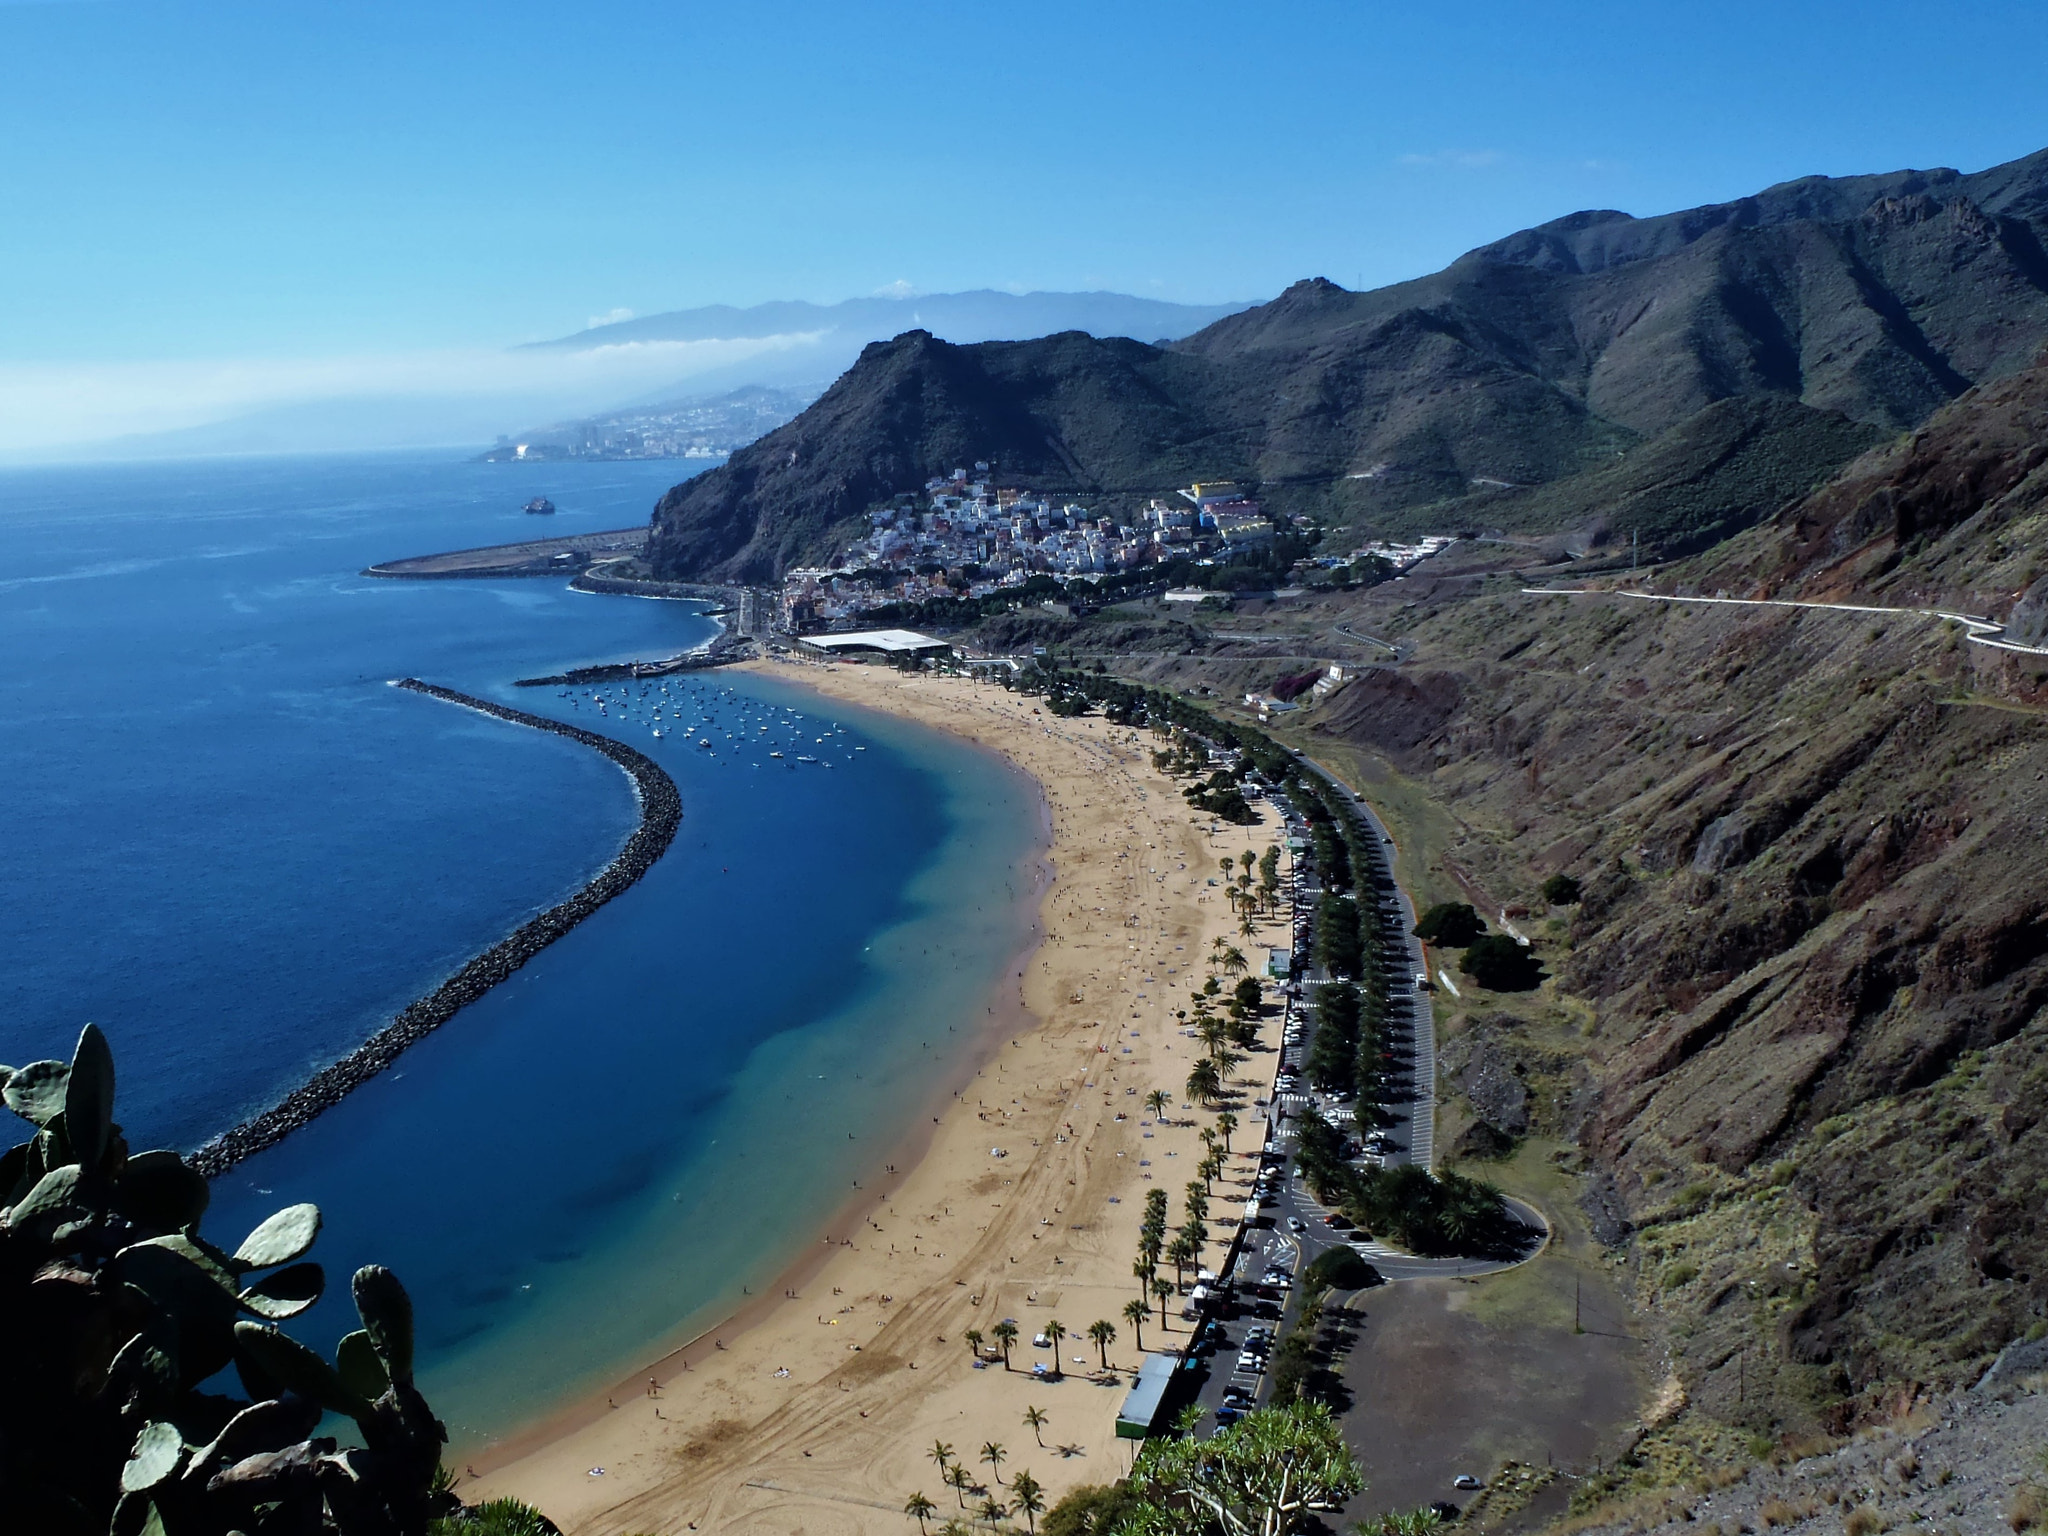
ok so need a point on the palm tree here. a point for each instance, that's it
(1136, 1313)
(1247, 859)
(1212, 1032)
(920, 1509)
(1225, 1124)
(1162, 1289)
(1245, 925)
(1157, 1100)
(1198, 1203)
(992, 1509)
(941, 1454)
(974, 1342)
(1030, 1499)
(958, 1478)
(994, 1455)
(1055, 1332)
(1233, 961)
(1180, 1254)
(1035, 1421)
(1005, 1334)
(1205, 1082)
(1226, 865)
(1103, 1332)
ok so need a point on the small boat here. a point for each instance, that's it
(803, 759)
(657, 735)
(775, 754)
(540, 506)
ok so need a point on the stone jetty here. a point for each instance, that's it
(661, 812)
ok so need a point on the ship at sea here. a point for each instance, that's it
(539, 505)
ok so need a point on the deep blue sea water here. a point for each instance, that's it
(236, 848)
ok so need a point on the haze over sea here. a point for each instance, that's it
(239, 851)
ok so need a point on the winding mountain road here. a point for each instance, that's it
(1979, 631)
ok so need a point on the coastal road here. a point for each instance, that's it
(1414, 1130)
(1977, 629)
(1352, 634)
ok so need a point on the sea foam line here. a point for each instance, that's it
(661, 812)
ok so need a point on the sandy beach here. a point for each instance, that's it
(818, 1410)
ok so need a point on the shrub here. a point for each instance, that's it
(1341, 1269)
(1863, 1521)
(495, 1517)
(1451, 923)
(2028, 1509)
(121, 1316)
(1499, 964)
(1092, 1510)
(1561, 890)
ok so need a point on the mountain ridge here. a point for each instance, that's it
(1533, 358)
(978, 314)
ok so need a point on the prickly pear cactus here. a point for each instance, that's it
(115, 1311)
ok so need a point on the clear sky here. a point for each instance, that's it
(308, 180)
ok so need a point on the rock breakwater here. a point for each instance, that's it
(661, 812)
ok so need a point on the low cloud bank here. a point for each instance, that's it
(57, 410)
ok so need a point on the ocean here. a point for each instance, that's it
(238, 850)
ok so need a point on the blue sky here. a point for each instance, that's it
(294, 181)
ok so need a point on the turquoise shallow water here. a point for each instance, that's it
(239, 851)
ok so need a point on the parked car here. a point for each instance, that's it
(1466, 1480)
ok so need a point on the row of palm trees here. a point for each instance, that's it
(1027, 1497)
(1239, 890)
(1101, 1333)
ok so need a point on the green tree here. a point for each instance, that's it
(941, 1455)
(1450, 923)
(1102, 1332)
(1225, 1124)
(1156, 1101)
(1180, 1253)
(1035, 1421)
(920, 1509)
(992, 1509)
(1260, 1477)
(1234, 961)
(993, 1453)
(1030, 1499)
(1162, 1289)
(974, 1342)
(1560, 890)
(1205, 1082)
(1136, 1313)
(1005, 1334)
(1055, 1332)
(959, 1479)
